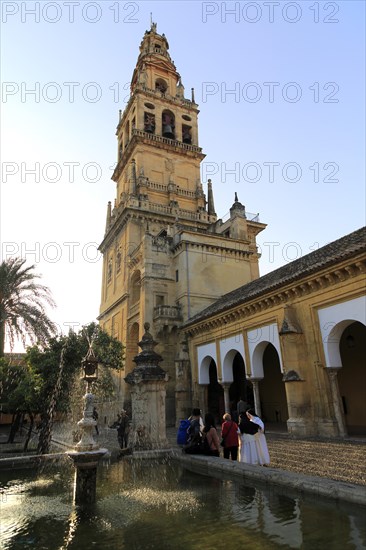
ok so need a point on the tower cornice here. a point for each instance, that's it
(158, 142)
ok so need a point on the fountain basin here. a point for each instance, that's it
(86, 459)
(156, 504)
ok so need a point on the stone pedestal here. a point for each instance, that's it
(85, 457)
(86, 465)
(148, 391)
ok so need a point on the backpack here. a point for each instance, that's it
(182, 434)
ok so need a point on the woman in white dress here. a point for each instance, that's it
(248, 448)
(260, 438)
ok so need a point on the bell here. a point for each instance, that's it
(168, 131)
(187, 138)
(149, 128)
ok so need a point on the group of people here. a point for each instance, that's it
(244, 440)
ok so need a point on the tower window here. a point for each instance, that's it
(186, 134)
(149, 123)
(160, 300)
(161, 85)
(168, 124)
(176, 275)
(127, 133)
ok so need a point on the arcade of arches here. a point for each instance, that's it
(296, 352)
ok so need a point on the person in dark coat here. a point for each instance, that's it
(95, 417)
(123, 429)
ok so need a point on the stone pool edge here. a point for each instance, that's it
(223, 468)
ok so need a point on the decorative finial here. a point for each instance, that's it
(153, 25)
(146, 327)
(236, 197)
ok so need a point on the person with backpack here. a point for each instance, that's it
(211, 442)
(182, 433)
(194, 440)
(229, 436)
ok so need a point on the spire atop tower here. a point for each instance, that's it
(237, 209)
(153, 26)
(210, 201)
(109, 216)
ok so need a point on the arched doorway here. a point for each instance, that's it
(352, 377)
(241, 387)
(215, 394)
(272, 390)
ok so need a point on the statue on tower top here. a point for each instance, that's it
(153, 26)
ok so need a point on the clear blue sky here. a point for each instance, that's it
(290, 138)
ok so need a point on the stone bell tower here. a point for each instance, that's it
(166, 255)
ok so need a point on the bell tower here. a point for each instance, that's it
(158, 154)
(166, 256)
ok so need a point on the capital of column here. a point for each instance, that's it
(332, 372)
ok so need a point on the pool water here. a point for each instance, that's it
(148, 504)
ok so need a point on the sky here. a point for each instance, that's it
(280, 88)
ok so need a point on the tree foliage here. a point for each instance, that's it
(22, 304)
(44, 384)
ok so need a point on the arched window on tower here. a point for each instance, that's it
(168, 124)
(127, 133)
(186, 133)
(149, 123)
(135, 287)
(161, 85)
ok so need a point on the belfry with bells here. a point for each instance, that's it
(166, 255)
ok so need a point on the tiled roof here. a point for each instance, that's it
(341, 249)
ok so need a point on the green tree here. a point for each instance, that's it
(57, 365)
(19, 395)
(22, 304)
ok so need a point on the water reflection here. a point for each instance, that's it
(146, 504)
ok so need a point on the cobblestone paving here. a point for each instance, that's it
(341, 461)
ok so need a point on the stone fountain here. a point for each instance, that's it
(87, 452)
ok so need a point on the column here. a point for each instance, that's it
(336, 400)
(226, 387)
(257, 401)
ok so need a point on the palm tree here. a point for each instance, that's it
(22, 304)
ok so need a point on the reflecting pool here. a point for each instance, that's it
(148, 504)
